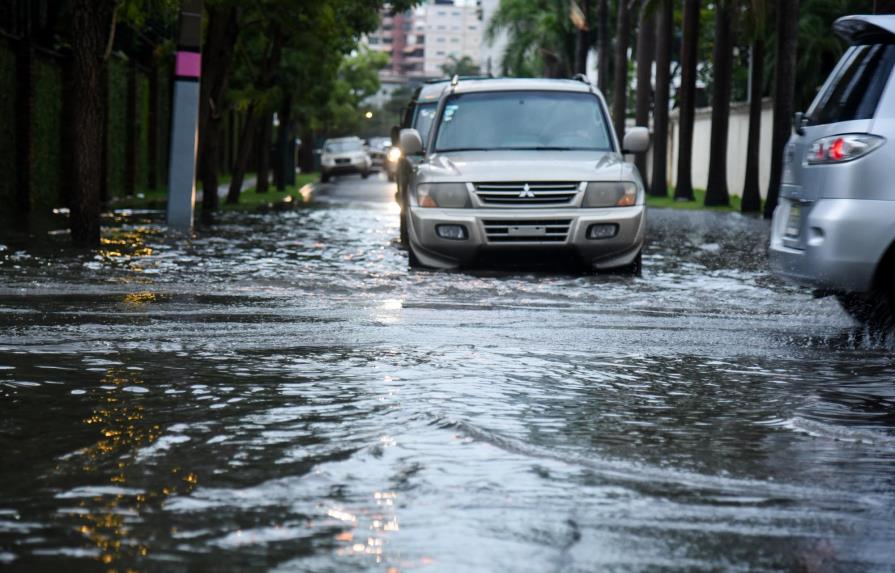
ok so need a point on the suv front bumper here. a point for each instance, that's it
(494, 230)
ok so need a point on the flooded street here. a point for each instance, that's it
(282, 393)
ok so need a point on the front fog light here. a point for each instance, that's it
(602, 231)
(452, 232)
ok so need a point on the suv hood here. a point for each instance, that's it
(510, 165)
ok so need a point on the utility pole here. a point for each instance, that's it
(185, 119)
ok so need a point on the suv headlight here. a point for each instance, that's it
(610, 194)
(445, 195)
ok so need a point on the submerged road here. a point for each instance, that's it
(282, 393)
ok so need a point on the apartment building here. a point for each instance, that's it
(422, 40)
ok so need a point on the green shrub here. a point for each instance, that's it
(7, 125)
(47, 125)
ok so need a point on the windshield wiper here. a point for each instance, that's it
(552, 148)
(465, 149)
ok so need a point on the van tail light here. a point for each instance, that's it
(842, 148)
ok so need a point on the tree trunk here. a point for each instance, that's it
(751, 188)
(659, 187)
(683, 191)
(716, 193)
(604, 47)
(24, 122)
(242, 155)
(620, 82)
(91, 25)
(285, 172)
(271, 62)
(263, 151)
(153, 126)
(582, 46)
(306, 152)
(130, 131)
(223, 29)
(784, 92)
(646, 49)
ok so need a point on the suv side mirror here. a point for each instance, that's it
(798, 122)
(410, 142)
(636, 140)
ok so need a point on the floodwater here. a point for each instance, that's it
(282, 393)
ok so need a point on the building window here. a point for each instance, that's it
(386, 40)
(373, 40)
(440, 40)
(439, 53)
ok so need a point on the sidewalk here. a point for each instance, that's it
(248, 183)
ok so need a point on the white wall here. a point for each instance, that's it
(738, 137)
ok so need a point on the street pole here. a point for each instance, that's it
(185, 119)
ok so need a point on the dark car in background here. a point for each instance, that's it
(377, 149)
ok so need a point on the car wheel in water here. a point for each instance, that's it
(324, 177)
(635, 268)
(876, 309)
(365, 174)
(412, 259)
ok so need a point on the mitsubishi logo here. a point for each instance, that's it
(526, 192)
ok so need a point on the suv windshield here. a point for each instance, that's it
(855, 90)
(425, 115)
(540, 120)
(343, 146)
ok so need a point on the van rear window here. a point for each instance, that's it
(856, 87)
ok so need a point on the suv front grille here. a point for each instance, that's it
(527, 231)
(522, 193)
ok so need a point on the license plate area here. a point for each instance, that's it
(527, 231)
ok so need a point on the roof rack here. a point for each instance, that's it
(462, 78)
(581, 78)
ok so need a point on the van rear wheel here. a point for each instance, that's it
(876, 309)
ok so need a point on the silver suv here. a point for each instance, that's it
(834, 228)
(523, 165)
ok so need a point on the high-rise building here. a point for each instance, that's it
(421, 41)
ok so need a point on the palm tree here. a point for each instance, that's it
(687, 100)
(620, 82)
(646, 48)
(751, 188)
(716, 192)
(583, 44)
(604, 47)
(784, 91)
(664, 33)
(540, 37)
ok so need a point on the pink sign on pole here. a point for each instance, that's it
(189, 65)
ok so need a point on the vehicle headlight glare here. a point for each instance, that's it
(444, 195)
(611, 194)
(394, 154)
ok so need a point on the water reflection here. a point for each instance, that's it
(111, 504)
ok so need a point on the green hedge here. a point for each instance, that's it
(47, 170)
(142, 132)
(116, 134)
(7, 126)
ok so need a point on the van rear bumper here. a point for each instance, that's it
(844, 241)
